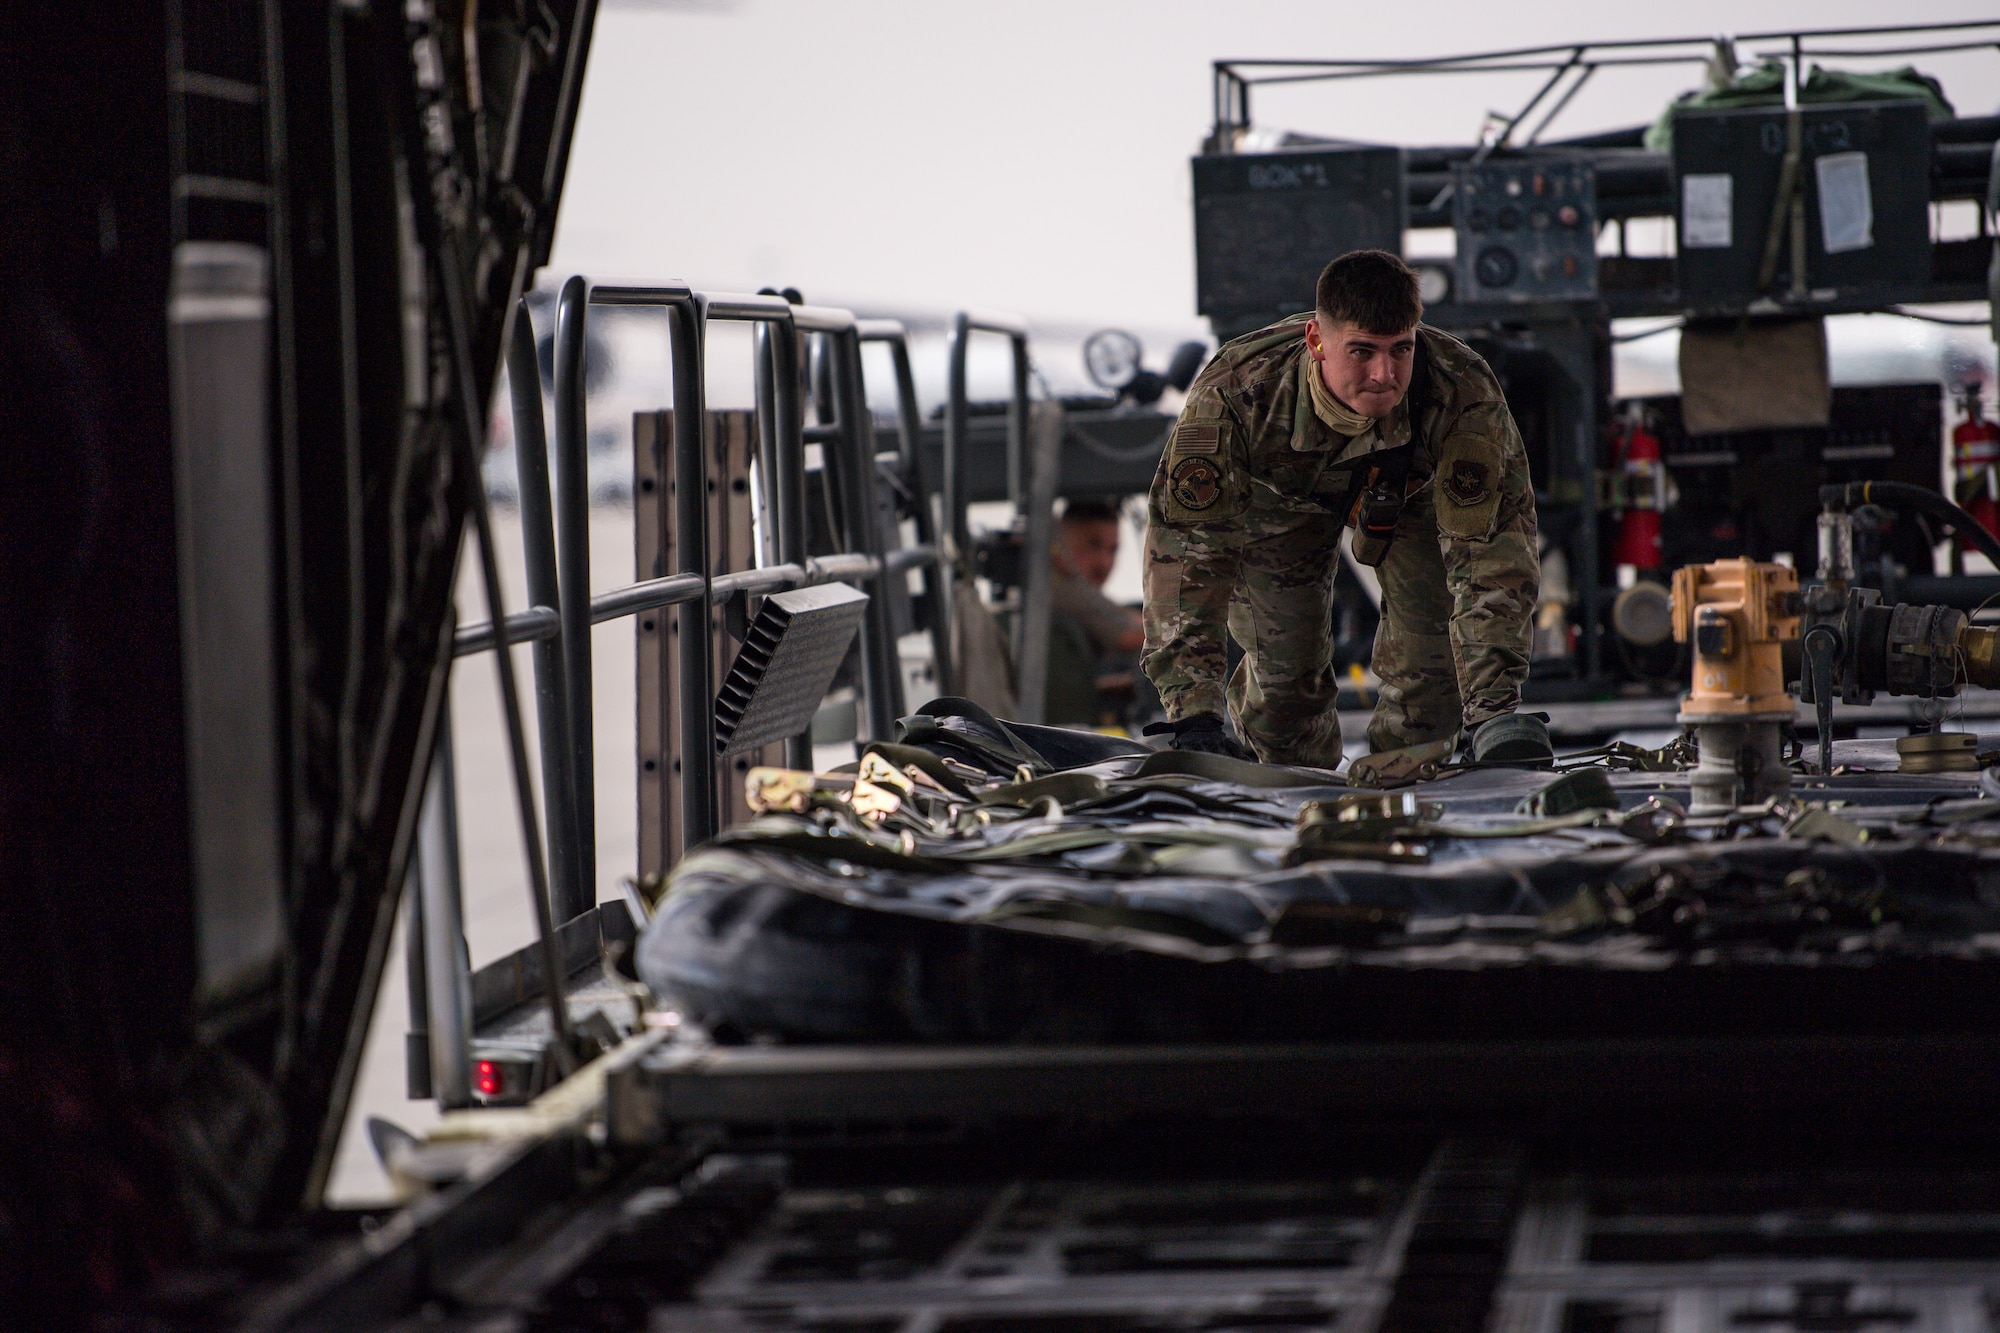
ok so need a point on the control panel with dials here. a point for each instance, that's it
(1527, 229)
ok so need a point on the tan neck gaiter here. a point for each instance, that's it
(1338, 416)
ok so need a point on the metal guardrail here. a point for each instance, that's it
(916, 494)
(555, 529)
(1030, 485)
(849, 476)
(537, 624)
(958, 414)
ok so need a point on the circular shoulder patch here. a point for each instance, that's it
(1196, 483)
(1466, 483)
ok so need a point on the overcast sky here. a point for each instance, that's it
(1033, 156)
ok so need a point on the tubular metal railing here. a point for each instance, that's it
(570, 571)
(555, 533)
(848, 442)
(1033, 503)
(572, 852)
(957, 417)
(915, 494)
(1233, 79)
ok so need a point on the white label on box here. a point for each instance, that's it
(1846, 208)
(1705, 204)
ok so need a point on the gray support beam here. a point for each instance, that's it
(687, 322)
(570, 892)
(446, 994)
(572, 536)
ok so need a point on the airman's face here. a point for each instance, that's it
(1091, 548)
(1370, 372)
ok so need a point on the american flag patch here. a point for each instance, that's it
(1197, 438)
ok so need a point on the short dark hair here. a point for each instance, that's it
(1090, 511)
(1370, 289)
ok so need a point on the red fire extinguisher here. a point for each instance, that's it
(1638, 540)
(1975, 465)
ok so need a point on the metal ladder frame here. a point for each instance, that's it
(558, 619)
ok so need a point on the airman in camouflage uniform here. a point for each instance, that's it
(1245, 519)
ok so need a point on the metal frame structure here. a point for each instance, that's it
(850, 486)
(1032, 465)
(915, 494)
(1233, 79)
(555, 528)
(958, 414)
(1635, 184)
(858, 1094)
(1464, 1124)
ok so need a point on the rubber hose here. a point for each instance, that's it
(1853, 493)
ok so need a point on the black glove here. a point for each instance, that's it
(1203, 732)
(1514, 738)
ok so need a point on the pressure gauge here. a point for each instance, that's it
(1433, 283)
(1495, 266)
(1111, 358)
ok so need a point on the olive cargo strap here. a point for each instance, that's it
(989, 736)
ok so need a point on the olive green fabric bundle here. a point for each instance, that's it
(1765, 86)
(982, 879)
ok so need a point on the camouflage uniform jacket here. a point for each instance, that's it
(1244, 532)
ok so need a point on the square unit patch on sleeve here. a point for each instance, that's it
(1468, 484)
(1197, 437)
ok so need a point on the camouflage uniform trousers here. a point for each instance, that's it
(1416, 648)
(1283, 690)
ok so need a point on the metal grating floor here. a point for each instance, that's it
(1478, 1240)
(1835, 1252)
(1041, 1257)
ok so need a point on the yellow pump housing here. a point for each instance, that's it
(1738, 614)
